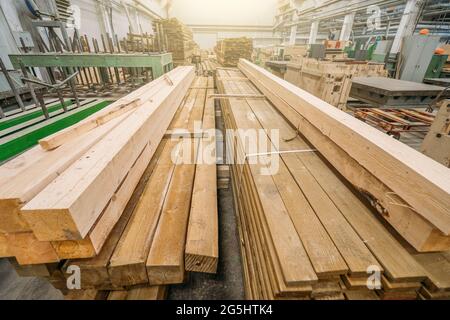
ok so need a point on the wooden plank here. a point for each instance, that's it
(59, 138)
(265, 276)
(437, 269)
(147, 293)
(117, 108)
(85, 295)
(95, 270)
(324, 255)
(344, 237)
(127, 264)
(33, 177)
(420, 181)
(291, 255)
(165, 263)
(29, 250)
(118, 295)
(93, 243)
(68, 207)
(202, 241)
(4, 247)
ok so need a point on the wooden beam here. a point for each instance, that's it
(127, 264)
(29, 250)
(68, 208)
(93, 243)
(95, 270)
(35, 176)
(202, 242)
(165, 262)
(104, 116)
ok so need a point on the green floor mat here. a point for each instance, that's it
(33, 115)
(17, 146)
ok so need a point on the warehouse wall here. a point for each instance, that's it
(217, 13)
(93, 25)
(220, 12)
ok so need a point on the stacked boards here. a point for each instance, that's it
(180, 41)
(305, 233)
(409, 190)
(44, 241)
(331, 81)
(230, 50)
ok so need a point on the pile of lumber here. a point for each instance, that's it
(207, 67)
(109, 196)
(180, 41)
(306, 233)
(331, 81)
(230, 50)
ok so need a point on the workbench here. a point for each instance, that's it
(443, 82)
(392, 93)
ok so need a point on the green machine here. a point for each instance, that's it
(437, 63)
(160, 63)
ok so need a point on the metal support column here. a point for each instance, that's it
(314, 31)
(407, 23)
(346, 30)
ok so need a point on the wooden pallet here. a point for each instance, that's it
(396, 121)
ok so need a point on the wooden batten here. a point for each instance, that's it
(70, 216)
(202, 241)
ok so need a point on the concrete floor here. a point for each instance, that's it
(226, 284)
(13, 287)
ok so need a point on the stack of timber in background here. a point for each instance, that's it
(305, 232)
(116, 156)
(331, 81)
(180, 41)
(230, 50)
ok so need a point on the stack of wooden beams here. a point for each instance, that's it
(437, 268)
(83, 197)
(330, 80)
(305, 231)
(230, 50)
(180, 41)
(388, 172)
